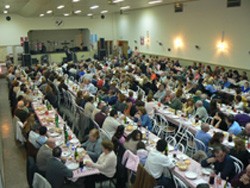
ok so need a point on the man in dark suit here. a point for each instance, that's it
(101, 116)
(56, 171)
(21, 112)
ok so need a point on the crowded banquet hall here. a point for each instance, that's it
(124, 94)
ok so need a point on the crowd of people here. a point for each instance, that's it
(195, 90)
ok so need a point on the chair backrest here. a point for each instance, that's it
(40, 182)
(143, 178)
(179, 183)
(19, 135)
(171, 140)
(156, 128)
(209, 120)
(240, 165)
(181, 147)
(104, 135)
(181, 132)
(199, 145)
(237, 168)
(160, 119)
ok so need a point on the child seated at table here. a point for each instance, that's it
(142, 153)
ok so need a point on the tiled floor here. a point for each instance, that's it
(13, 153)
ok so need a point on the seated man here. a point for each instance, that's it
(203, 136)
(43, 155)
(157, 163)
(222, 162)
(110, 124)
(21, 111)
(201, 111)
(56, 171)
(101, 116)
(175, 102)
(233, 126)
(242, 180)
(37, 140)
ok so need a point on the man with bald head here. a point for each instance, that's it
(20, 111)
(242, 180)
(44, 153)
(203, 136)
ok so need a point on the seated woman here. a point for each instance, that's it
(188, 107)
(119, 137)
(239, 104)
(106, 164)
(51, 96)
(132, 140)
(213, 108)
(120, 104)
(240, 152)
(143, 119)
(216, 139)
(93, 145)
(80, 99)
(218, 121)
(29, 125)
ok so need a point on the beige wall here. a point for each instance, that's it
(201, 23)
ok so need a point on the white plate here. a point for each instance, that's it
(65, 153)
(191, 175)
(74, 141)
(54, 134)
(72, 166)
(182, 157)
(206, 171)
(175, 117)
(170, 148)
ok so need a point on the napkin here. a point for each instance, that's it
(199, 181)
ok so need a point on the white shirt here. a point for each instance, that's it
(156, 162)
(150, 108)
(110, 125)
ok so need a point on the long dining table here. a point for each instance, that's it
(46, 118)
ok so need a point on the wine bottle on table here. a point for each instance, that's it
(57, 120)
(76, 154)
(66, 135)
(227, 184)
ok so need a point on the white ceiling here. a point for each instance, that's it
(33, 8)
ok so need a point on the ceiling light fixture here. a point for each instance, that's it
(152, 2)
(77, 11)
(89, 14)
(60, 7)
(75, 1)
(66, 14)
(49, 11)
(117, 1)
(94, 7)
(7, 6)
(41, 15)
(5, 11)
(104, 11)
(125, 7)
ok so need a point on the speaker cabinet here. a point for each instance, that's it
(26, 47)
(26, 60)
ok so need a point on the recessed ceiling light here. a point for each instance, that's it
(152, 2)
(94, 7)
(117, 1)
(124, 8)
(89, 14)
(77, 11)
(41, 15)
(49, 11)
(60, 7)
(104, 11)
(7, 6)
(66, 14)
(75, 1)
(5, 11)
